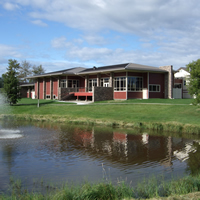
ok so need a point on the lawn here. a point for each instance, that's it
(144, 101)
(152, 111)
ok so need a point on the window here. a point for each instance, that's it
(47, 96)
(135, 84)
(178, 85)
(154, 88)
(105, 82)
(73, 83)
(120, 83)
(91, 83)
(63, 83)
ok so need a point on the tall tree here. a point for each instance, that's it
(11, 82)
(1, 82)
(25, 70)
(194, 81)
(37, 70)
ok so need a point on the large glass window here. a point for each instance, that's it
(135, 84)
(63, 83)
(73, 83)
(120, 83)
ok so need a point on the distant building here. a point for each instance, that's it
(27, 90)
(181, 81)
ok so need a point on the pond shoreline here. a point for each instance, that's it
(124, 192)
(158, 126)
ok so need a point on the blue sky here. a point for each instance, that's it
(60, 34)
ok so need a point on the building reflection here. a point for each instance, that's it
(130, 149)
(121, 147)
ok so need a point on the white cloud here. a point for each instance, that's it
(10, 6)
(60, 43)
(39, 23)
(133, 16)
(9, 51)
(167, 31)
(95, 39)
(87, 53)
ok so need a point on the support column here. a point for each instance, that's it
(168, 81)
(44, 88)
(86, 83)
(111, 79)
(66, 81)
(51, 88)
(98, 79)
(38, 89)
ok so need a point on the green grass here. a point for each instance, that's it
(155, 101)
(152, 188)
(171, 117)
(28, 101)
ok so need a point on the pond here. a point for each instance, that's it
(43, 154)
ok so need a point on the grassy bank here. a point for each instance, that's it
(153, 188)
(181, 117)
(151, 101)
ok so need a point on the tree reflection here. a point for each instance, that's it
(193, 161)
(8, 155)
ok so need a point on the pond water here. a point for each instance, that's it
(41, 154)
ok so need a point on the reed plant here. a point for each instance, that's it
(154, 187)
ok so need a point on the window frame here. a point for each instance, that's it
(119, 83)
(154, 85)
(92, 83)
(136, 88)
(72, 82)
(103, 81)
(63, 83)
(48, 96)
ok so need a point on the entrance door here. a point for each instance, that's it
(75, 85)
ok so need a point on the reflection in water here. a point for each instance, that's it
(72, 153)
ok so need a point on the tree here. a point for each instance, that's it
(25, 70)
(1, 82)
(11, 82)
(38, 70)
(194, 81)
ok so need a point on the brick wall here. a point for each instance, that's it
(102, 93)
(64, 93)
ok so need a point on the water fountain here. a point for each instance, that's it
(7, 133)
(10, 134)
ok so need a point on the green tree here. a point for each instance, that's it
(25, 70)
(37, 70)
(194, 81)
(11, 82)
(1, 82)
